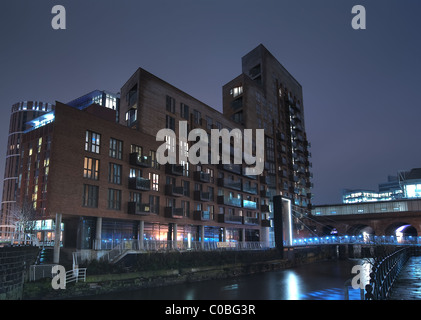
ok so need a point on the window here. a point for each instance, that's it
(236, 91)
(184, 111)
(114, 199)
(136, 149)
(92, 141)
(154, 204)
(135, 173)
(186, 188)
(116, 148)
(197, 117)
(170, 104)
(91, 168)
(90, 196)
(154, 162)
(185, 205)
(209, 123)
(155, 181)
(114, 173)
(169, 123)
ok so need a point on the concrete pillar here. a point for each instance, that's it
(264, 237)
(243, 235)
(98, 233)
(174, 235)
(202, 237)
(141, 234)
(57, 237)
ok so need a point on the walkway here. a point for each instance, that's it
(408, 283)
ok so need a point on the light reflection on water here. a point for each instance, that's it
(317, 281)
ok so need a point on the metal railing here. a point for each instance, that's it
(375, 240)
(126, 246)
(76, 275)
(384, 274)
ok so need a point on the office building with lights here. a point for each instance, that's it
(405, 185)
(96, 168)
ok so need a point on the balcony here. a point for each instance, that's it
(251, 221)
(231, 184)
(234, 202)
(201, 215)
(174, 191)
(254, 177)
(175, 213)
(269, 180)
(174, 169)
(142, 209)
(139, 183)
(247, 204)
(235, 168)
(230, 219)
(142, 161)
(266, 194)
(250, 189)
(201, 196)
(201, 176)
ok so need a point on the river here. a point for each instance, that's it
(317, 281)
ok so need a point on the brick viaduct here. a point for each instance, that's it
(378, 223)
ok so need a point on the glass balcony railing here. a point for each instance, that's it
(235, 202)
(139, 183)
(228, 183)
(247, 204)
(139, 160)
(201, 215)
(139, 208)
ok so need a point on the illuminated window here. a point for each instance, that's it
(155, 181)
(92, 141)
(235, 92)
(91, 168)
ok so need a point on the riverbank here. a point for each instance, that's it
(163, 269)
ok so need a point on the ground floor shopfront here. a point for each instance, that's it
(98, 233)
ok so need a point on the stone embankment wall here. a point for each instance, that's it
(14, 266)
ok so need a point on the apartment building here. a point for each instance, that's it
(96, 168)
(21, 113)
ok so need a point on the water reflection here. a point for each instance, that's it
(317, 281)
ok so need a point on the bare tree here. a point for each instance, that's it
(23, 217)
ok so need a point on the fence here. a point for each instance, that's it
(384, 273)
(126, 246)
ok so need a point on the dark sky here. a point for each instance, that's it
(361, 88)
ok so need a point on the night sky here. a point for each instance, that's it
(361, 87)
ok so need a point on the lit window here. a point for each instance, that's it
(235, 92)
(92, 141)
(155, 181)
(91, 168)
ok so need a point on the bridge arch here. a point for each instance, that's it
(360, 229)
(401, 230)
